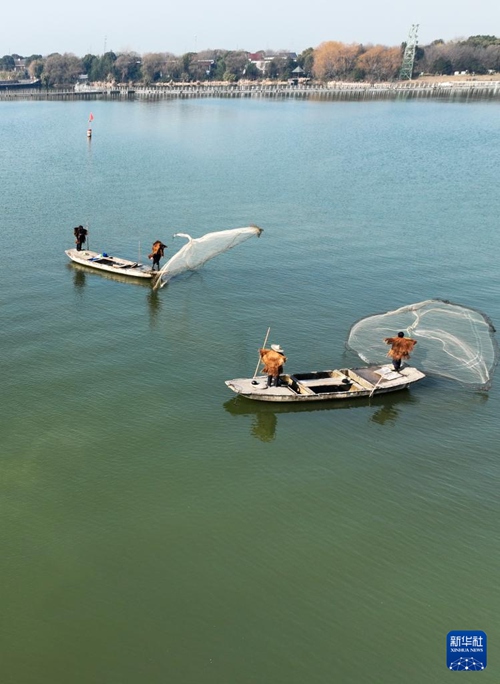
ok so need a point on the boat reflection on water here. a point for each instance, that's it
(79, 279)
(385, 414)
(80, 274)
(386, 410)
(154, 305)
(264, 426)
(88, 271)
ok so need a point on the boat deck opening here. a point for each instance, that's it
(375, 376)
(322, 382)
(99, 260)
(333, 387)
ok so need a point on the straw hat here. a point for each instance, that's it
(277, 348)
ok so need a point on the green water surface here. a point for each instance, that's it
(157, 528)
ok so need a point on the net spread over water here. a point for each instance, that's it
(454, 341)
(197, 251)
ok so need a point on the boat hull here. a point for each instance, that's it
(332, 385)
(102, 262)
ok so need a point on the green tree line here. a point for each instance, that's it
(329, 61)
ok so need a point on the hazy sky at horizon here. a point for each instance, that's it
(58, 26)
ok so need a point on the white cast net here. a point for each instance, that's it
(454, 341)
(197, 251)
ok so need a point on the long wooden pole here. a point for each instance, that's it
(263, 346)
(375, 386)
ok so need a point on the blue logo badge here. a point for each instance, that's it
(466, 650)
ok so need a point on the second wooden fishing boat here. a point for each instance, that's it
(105, 262)
(346, 383)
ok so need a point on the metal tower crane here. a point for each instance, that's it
(406, 71)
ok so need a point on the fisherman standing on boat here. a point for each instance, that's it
(401, 347)
(273, 360)
(157, 252)
(80, 234)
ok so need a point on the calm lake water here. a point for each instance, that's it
(155, 528)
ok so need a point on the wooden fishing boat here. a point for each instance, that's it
(346, 383)
(104, 262)
(194, 254)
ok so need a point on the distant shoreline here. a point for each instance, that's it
(430, 87)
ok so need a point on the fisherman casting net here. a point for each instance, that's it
(197, 251)
(454, 341)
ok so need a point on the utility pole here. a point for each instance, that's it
(406, 71)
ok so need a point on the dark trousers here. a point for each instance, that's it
(397, 364)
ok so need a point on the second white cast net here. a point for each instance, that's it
(454, 341)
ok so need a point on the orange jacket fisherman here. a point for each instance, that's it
(157, 252)
(273, 360)
(401, 347)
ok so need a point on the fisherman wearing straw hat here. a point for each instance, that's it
(273, 360)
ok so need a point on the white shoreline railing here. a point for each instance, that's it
(333, 91)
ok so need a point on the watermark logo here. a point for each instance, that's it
(466, 650)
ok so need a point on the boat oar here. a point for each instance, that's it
(375, 386)
(382, 377)
(263, 346)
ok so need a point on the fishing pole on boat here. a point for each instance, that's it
(263, 346)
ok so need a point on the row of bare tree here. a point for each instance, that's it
(332, 60)
(338, 61)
